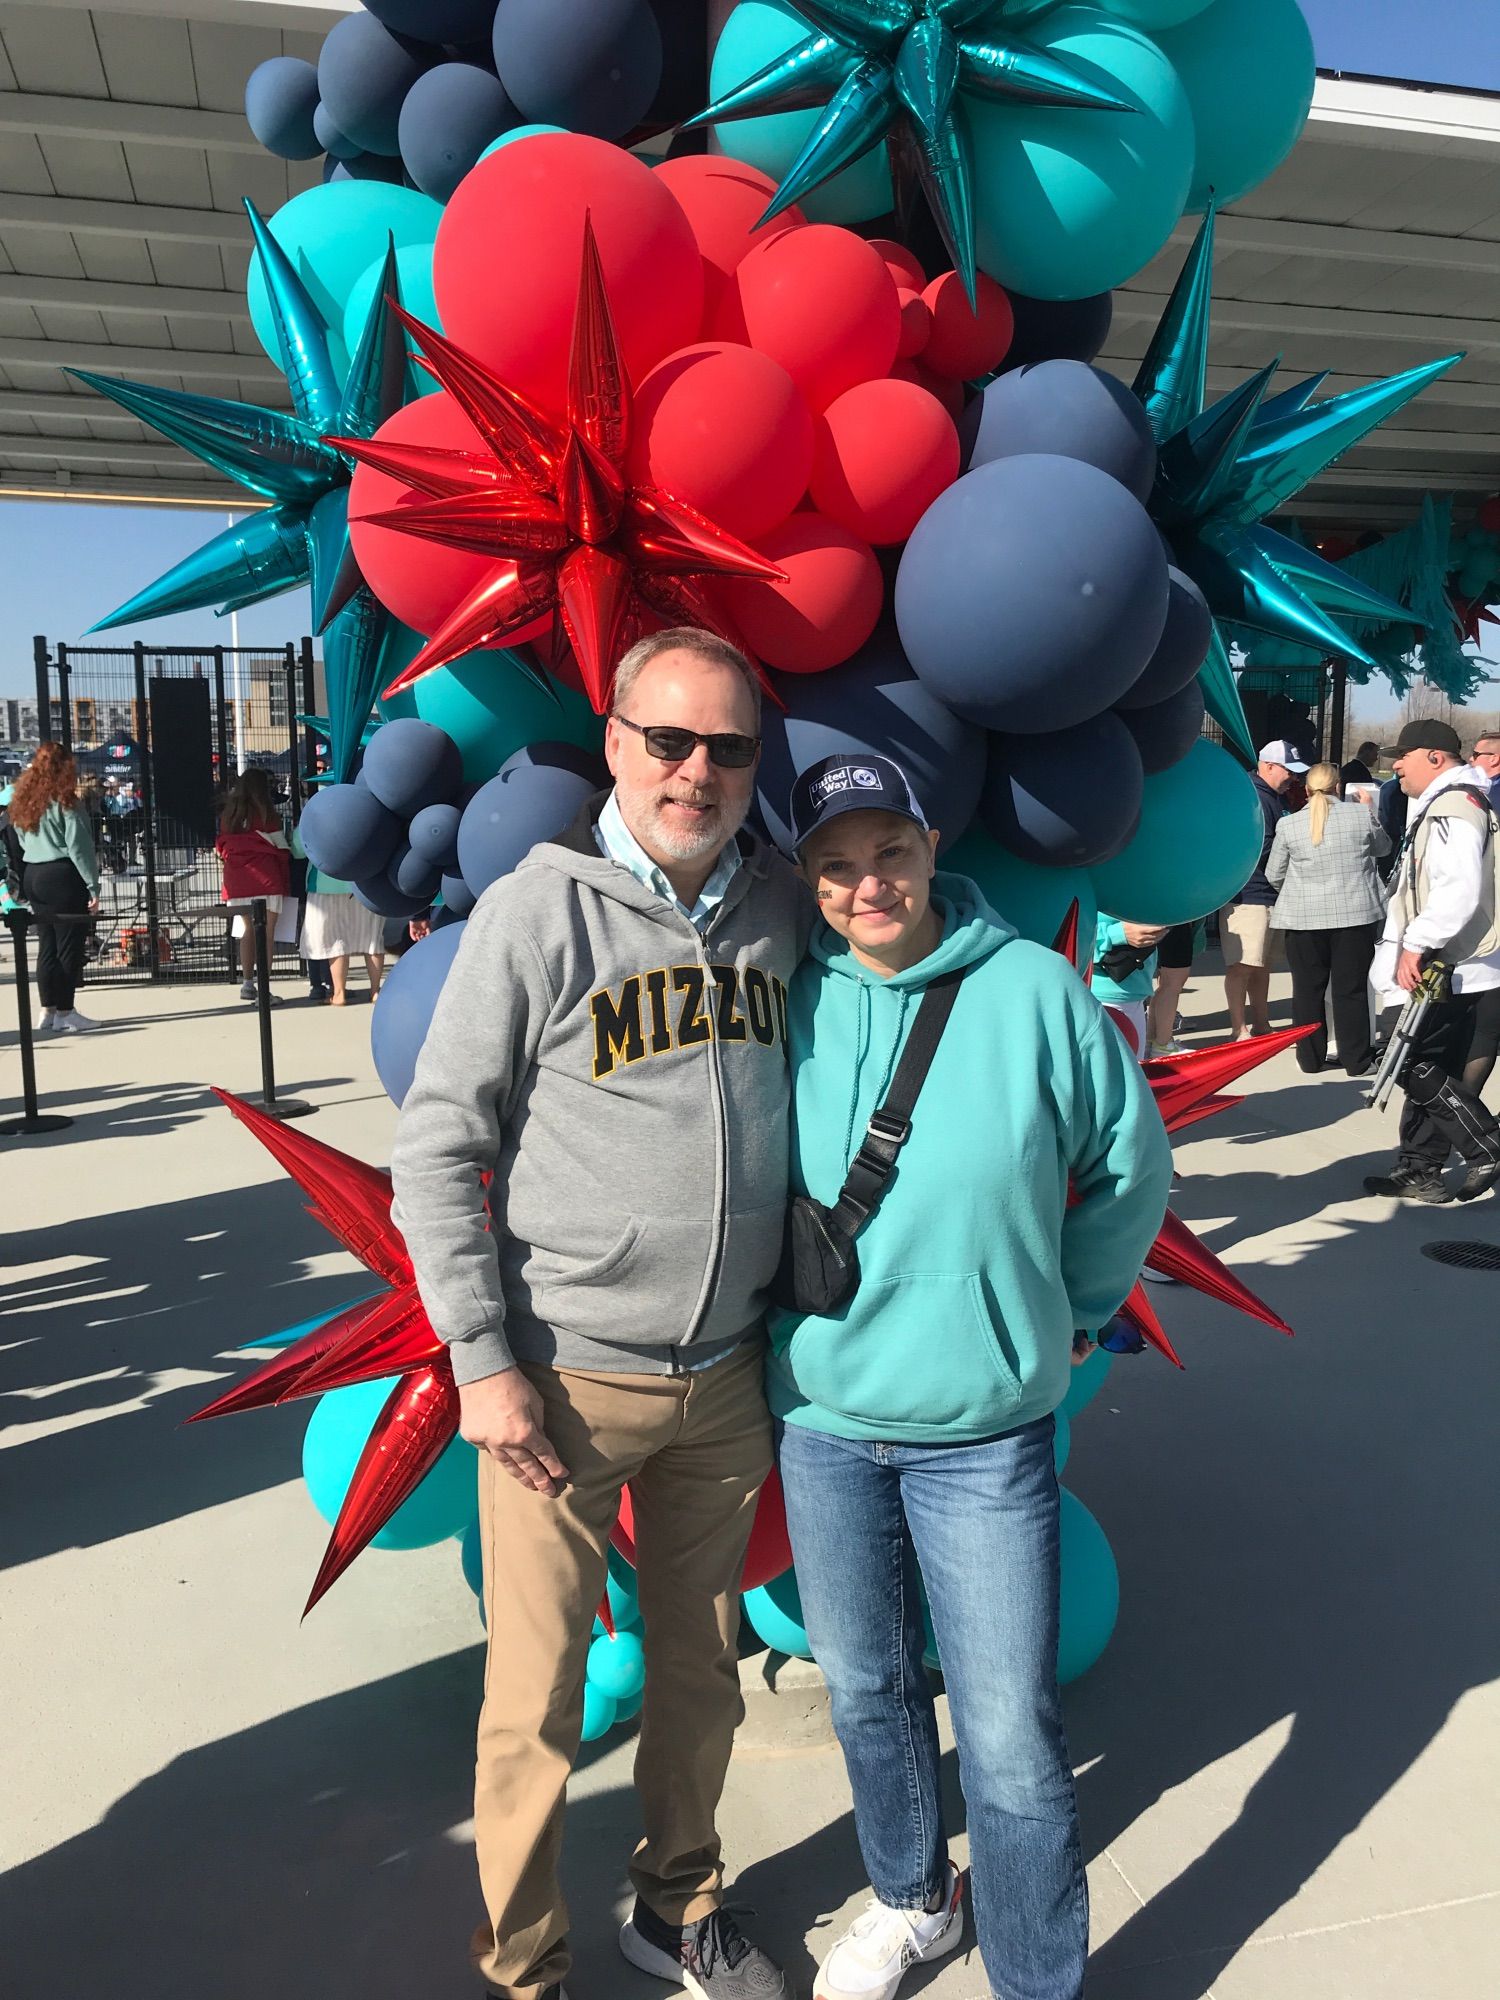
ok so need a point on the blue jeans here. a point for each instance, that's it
(982, 1522)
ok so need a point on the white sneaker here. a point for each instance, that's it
(247, 989)
(872, 1958)
(48, 1021)
(72, 1022)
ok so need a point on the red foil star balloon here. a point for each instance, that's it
(553, 504)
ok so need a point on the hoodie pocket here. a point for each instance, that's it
(914, 1352)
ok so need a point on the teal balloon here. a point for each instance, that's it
(775, 1611)
(491, 709)
(1090, 1601)
(1073, 202)
(509, 138)
(1062, 1440)
(1088, 1379)
(599, 1712)
(471, 1555)
(332, 235)
(755, 34)
(336, 1434)
(624, 1600)
(630, 1706)
(617, 1667)
(1036, 900)
(1196, 847)
(414, 273)
(1153, 14)
(1248, 69)
(288, 1334)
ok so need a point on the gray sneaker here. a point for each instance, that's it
(713, 1959)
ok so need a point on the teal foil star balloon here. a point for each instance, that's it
(303, 536)
(1223, 467)
(898, 71)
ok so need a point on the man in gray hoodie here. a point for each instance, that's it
(610, 1047)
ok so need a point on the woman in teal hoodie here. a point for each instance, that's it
(916, 1420)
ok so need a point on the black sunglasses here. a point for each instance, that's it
(733, 753)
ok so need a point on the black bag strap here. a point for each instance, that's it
(890, 1124)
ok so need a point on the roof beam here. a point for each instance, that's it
(1395, 117)
(125, 490)
(1346, 243)
(124, 218)
(314, 14)
(132, 362)
(1456, 392)
(138, 124)
(1438, 333)
(99, 295)
(87, 450)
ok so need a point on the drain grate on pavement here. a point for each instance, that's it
(1465, 1256)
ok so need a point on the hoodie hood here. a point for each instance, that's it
(972, 932)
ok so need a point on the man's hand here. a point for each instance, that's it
(1138, 936)
(1408, 970)
(502, 1414)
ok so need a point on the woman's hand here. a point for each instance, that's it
(93, 906)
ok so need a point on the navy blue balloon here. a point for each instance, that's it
(347, 832)
(535, 794)
(1071, 409)
(411, 764)
(872, 703)
(588, 65)
(458, 897)
(1032, 593)
(1058, 329)
(364, 167)
(436, 20)
(336, 144)
(450, 115)
(1065, 800)
(1165, 732)
(380, 894)
(403, 1013)
(364, 73)
(281, 102)
(433, 834)
(1182, 648)
(411, 874)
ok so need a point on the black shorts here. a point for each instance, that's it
(1175, 952)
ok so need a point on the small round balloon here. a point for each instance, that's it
(1085, 1382)
(448, 117)
(337, 1433)
(1181, 649)
(1090, 1601)
(281, 103)
(600, 1712)
(617, 1666)
(1165, 731)
(775, 1612)
(518, 132)
(1066, 800)
(491, 709)
(1197, 844)
(821, 302)
(1068, 408)
(347, 832)
(409, 765)
(364, 73)
(723, 201)
(1248, 69)
(589, 65)
(534, 796)
(882, 453)
(824, 610)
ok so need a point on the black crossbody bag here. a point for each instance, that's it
(819, 1267)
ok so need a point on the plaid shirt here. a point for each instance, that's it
(1335, 884)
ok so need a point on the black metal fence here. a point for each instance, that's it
(158, 733)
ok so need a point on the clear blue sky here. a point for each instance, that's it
(1425, 41)
(63, 564)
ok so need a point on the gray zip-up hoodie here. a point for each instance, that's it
(625, 1080)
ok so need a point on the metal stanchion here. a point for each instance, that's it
(267, 1100)
(31, 1120)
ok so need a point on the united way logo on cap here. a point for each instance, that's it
(839, 779)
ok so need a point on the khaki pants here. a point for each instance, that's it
(696, 1450)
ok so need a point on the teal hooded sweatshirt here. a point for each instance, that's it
(975, 1271)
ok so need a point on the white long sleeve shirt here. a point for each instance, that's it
(1456, 857)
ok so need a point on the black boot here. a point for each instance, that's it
(1413, 1180)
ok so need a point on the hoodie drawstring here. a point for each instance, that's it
(864, 1036)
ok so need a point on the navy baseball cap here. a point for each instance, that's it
(850, 783)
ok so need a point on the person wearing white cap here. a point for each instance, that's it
(1249, 943)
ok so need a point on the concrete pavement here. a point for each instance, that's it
(1287, 1759)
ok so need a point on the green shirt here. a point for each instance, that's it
(62, 834)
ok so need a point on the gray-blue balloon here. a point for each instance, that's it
(336, 144)
(589, 65)
(436, 20)
(347, 832)
(281, 101)
(1181, 649)
(1165, 732)
(1032, 593)
(1058, 329)
(364, 73)
(433, 834)
(534, 796)
(450, 115)
(411, 764)
(873, 702)
(1064, 800)
(1071, 409)
(399, 1025)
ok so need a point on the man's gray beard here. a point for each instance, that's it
(645, 811)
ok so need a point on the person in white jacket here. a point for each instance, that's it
(1442, 907)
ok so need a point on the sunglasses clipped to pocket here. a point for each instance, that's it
(731, 753)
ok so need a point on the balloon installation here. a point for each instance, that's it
(831, 391)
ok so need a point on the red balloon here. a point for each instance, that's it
(883, 452)
(723, 201)
(418, 582)
(819, 301)
(827, 607)
(948, 392)
(723, 428)
(505, 267)
(964, 344)
(916, 323)
(769, 1554)
(899, 261)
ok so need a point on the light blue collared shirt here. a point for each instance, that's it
(617, 843)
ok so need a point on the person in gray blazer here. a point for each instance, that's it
(1330, 905)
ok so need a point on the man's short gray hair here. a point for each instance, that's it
(683, 639)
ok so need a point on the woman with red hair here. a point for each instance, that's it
(60, 880)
